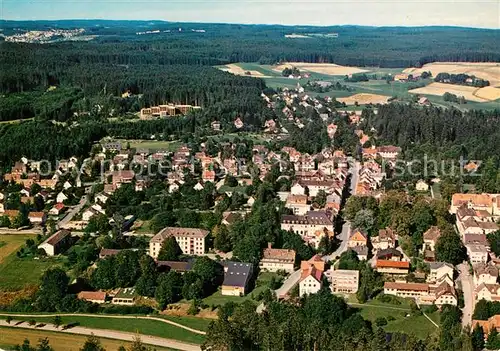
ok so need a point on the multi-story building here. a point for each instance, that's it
(190, 240)
(344, 281)
(311, 227)
(274, 260)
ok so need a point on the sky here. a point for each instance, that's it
(479, 13)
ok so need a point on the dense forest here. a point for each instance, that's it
(223, 43)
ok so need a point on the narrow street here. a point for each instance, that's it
(346, 228)
(465, 279)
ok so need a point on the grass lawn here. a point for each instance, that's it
(9, 337)
(11, 243)
(261, 284)
(141, 326)
(15, 273)
(420, 326)
(191, 322)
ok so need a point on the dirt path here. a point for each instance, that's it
(106, 316)
(111, 334)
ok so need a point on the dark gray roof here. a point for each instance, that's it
(360, 250)
(237, 273)
(176, 265)
(389, 252)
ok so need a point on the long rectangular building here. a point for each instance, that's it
(190, 240)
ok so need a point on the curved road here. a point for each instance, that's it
(111, 334)
(105, 316)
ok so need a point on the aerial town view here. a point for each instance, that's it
(249, 175)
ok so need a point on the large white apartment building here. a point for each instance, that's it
(190, 240)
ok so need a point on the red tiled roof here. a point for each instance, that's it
(92, 295)
(392, 264)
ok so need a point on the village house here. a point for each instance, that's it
(437, 270)
(208, 176)
(361, 251)
(311, 278)
(390, 254)
(487, 202)
(274, 260)
(297, 203)
(488, 292)
(56, 243)
(477, 253)
(445, 294)
(190, 240)
(124, 296)
(238, 123)
(92, 296)
(122, 177)
(37, 218)
(104, 253)
(57, 209)
(492, 323)
(343, 281)
(386, 239)
(422, 186)
(431, 237)
(357, 238)
(485, 273)
(237, 276)
(393, 267)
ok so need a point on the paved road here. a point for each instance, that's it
(72, 213)
(106, 316)
(467, 287)
(111, 334)
(288, 284)
(346, 228)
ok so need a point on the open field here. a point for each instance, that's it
(239, 71)
(324, 68)
(10, 337)
(9, 244)
(141, 326)
(488, 93)
(15, 273)
(484, 70)
(440, 88)
(365, 98)
(151, 144)
(420, 326)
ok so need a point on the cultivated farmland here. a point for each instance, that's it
(323, 68)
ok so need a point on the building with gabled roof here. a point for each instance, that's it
(190, 240)
(492, 323)
(92, 296)
(274, 260)
(393, 267)
(56, 243)
(357, 238)
(237, 276)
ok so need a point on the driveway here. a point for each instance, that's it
(465, 279)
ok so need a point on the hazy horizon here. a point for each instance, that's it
(479, 14)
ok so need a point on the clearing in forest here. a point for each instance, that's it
(322, 68)
(237, 70)
(364, 99)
